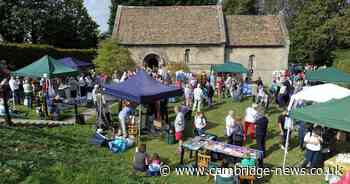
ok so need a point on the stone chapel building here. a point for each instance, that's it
(200, 36)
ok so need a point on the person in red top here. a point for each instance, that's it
(219, 87)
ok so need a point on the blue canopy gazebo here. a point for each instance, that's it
(76, 64)
(142, 89)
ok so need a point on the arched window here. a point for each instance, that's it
(251, 62)
(187, 56)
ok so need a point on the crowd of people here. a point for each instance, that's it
(199, 92)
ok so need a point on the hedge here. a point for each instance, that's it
(20, 55)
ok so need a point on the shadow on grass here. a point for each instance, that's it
(266, 178)
(273, 110)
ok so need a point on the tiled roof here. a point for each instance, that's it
(170, 25)
(248, 30)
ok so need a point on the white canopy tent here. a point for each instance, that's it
(319, 93)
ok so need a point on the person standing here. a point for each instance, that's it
(261, 130)
(210, 91)
(74, 86)
(28, 92)
(123, 118)
(200, 123)
(198, 98)
(259, 82)
(14, 89)
(313, 142)
(220, 87)
(188, 95)
(282, 125)
(229, 122)
(237, 132)
(179, 125)
(228, 85)
(249, 122)
(254, 92)
(82, 86)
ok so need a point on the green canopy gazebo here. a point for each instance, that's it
(331, 75)
(228, 67)
(333, 114)
(48, 66)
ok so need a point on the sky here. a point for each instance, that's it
(99, 11)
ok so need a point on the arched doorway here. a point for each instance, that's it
(152, 61)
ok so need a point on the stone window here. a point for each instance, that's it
(187, 56)
(251, 62)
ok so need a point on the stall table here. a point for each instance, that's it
(194, 144)
(206, 142)
(233, 150)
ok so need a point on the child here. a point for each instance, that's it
(154, 167)
(140, 161)
(200, 123)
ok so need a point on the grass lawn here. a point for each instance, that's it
(65, 113)
(62, 155)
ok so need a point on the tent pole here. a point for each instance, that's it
(139, 124)
(286, 148)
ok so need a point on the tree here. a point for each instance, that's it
(116, 3)
(313, 32)
(342, 28)
(61, 23)
(111, 57)
(240, 7)
(76, 30)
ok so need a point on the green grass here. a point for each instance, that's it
(63, 155)
(31, 114)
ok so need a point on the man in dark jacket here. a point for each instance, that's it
(261, 132)
(210, 92)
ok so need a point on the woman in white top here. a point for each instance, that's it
(230, 122)
(200, 123)
(313, 142)
(28, 92)
(249, 122)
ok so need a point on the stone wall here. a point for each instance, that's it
(266, 60)
(201, 57)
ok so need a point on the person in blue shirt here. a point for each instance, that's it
(123, 117)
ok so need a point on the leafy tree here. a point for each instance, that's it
(111, 57)
(61, 23)
(313, 32)
(240, 7)
(341, 22)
